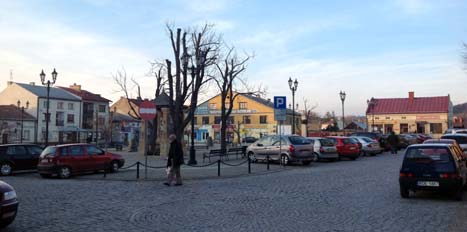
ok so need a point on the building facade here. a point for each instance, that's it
(64, 109)
(12, 121)
(426, 115)
(251, 116)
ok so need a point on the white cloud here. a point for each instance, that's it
(414, 7)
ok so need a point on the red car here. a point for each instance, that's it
(68, 159)
(8, 204)
(346, 147)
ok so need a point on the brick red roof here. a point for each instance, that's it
(408, 106)
(86, 95)
(12, 112)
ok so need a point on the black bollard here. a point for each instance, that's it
(218, 167)
(249, 165)
(267, 161)
(137, 170)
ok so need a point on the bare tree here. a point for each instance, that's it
(121, 79)
(308, 111)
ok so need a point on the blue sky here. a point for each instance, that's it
(366, 48)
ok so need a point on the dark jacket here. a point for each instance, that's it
(175, 156)
(393, 139)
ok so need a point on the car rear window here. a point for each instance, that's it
(297, 140)
(326, 142)
(368, 140)
(348, 141)
(49, 151)
(459, 139)
(427, 155)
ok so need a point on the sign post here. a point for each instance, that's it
(280, 115)
(147, 111)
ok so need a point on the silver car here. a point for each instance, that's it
(369, 146)
(324, 148)
(461, 139)
(285, 149)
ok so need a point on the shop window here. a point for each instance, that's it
(263, 119)
(217, 120)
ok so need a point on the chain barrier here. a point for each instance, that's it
(201, 166)
(235, 165)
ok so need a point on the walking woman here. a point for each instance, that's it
(174, 161)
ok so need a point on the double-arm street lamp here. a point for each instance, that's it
(48, 83)
(371, 105)
(293, 86)
(342, 95)
(194, 70)
(22, 116)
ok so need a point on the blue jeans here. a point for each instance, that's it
(393, 149)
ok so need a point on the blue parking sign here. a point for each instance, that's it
(280, 102)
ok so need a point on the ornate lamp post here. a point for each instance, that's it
(194, 70)
(371, 105)
(48, 83)
(342, 95)
(293, 86)
(22, 116)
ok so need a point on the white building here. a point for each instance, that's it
(64, 109)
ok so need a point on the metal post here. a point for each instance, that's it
(267, 161)
(218, 167)
(192, 160)
(47, 116)
(22, 112)
(145, 150)
(293, 112)
(249, 165)
(97, 124)
(343, 118)
(137, 170)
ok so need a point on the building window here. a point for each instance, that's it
(246, 119)
(59, 119)
(60, 105)
(102, 108)
(217, 120)
(403, 117)
(377, 118)
(71, 106)
(263, 119)
(101, 122)
(243, 105)
(436, 128)
(205, 121)
(388, 117)
(212, 106)
(26, 135)
(45, 103)
(70, 118)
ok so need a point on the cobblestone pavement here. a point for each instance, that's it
(360, 195)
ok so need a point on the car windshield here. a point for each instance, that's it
(326, 142)
(459, 139)
(348, 141)
(430, 154)
(49, 151)
(298, 140)
(368, 140)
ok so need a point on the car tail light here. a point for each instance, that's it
(402, 174)
(449, 175)
(321, 150)
(291, 148)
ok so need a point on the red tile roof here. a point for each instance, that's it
(86, 95)
(12, 112)
(408, 106)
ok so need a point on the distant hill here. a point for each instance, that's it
(460, 108)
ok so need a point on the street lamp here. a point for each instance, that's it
(48, 83)
(194, 71)
(371, 104)
(293, 86)
(342, 95)
(22, 116)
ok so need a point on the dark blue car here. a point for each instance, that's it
(433, 167)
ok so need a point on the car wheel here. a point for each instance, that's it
(45, 175)
(6, 169)
(404, 192)
(4, 224)
(252, 157)
(284, 160)
(306, 163)
(459, 195)
(64, 172)
(114, 166)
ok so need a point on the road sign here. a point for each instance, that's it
(280, 108)
(147, 110)
(280, 102)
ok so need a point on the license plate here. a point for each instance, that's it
(428, 183)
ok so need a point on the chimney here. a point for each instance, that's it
(411, 96)
(32, 83)
(75, 87)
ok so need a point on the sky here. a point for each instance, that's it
(381, 49)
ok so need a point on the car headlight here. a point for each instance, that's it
(9, 195)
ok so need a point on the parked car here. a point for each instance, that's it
(411, 139)
(376, 137)
(461, 139)
(8, 204)
(69, 159)
(456, 131)
(369, 146)
(447, 141)
(433, 167)
(285, 149)
(345, 147)
(14, 157)
(355, 140)
(324, 148)
(249, 139)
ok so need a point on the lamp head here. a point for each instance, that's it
(42, 75)
(290, 82)
(18, 103)
(295, 83)
(342, 95)
(54, 75)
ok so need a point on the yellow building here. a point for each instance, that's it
(251, 115)
(425, 115)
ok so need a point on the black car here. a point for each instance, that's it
(433, 167)
(15, 157)
(8, 204)
(249, 139)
